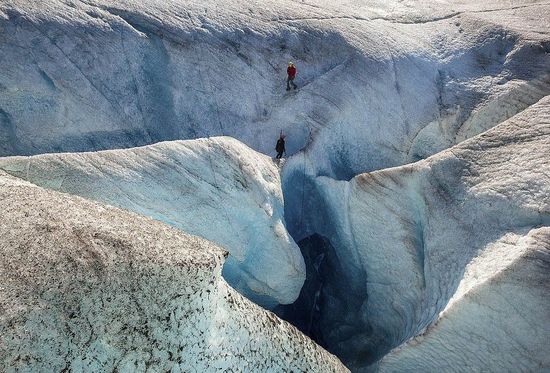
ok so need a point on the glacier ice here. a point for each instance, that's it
(399, 255)
(404, 238)
(89, 287)
(497, 319)
(216, 188)
(122, 74)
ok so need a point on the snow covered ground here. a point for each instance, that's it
(441, 235)
(88, 287)
(216, 188)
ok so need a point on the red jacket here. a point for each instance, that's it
(291, 71)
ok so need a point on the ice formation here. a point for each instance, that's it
(216, 188)
(89, 287)
(418, 142)
(436, 236)
(496, 321)
(380, 84)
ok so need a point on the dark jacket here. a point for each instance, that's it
(280, 147)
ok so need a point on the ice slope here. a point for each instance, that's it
(88, 287)
(97, 74)
(402, 240)
(510, 325)
(216, 188)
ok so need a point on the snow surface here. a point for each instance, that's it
(458, 232)
(88, 287)
(216, 188)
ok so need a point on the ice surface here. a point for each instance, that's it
(216, 188)
(504, 310)
(88, 287)
(381, 83)
(442, 234)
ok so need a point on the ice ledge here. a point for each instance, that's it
(90, 287)
(216, 188)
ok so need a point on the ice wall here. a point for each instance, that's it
(402, 238)
(381, 84)
(216, 188)
(88, 287)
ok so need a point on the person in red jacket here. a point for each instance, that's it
(291, 71)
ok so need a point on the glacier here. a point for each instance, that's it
(502, 305)
(416, 183)
(89, 287)
(411, 248)
(216, 188)
(92, 75)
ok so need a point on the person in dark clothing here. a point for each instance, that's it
(280, 147)
(291, 72)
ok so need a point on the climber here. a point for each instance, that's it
(280, 147)
(291, 71)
